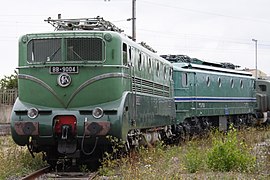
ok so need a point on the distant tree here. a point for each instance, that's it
(9, 82)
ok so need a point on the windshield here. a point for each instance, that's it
(69, 49)
(42, 50)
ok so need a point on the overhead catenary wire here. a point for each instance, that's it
(189, 37)
(206, 12)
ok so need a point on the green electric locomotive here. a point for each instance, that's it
(87, 81)
(210, 95)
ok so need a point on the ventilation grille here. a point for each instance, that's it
(149, 87)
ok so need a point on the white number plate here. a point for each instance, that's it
(63, 69)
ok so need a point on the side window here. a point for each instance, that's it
(129, 53)
(208, 82)
(165, 72)
(219, 82)
(140, 61)
(161, 69)
(241, 84)
(157, 69)
(125, 55)
(143, 61)
(262, 87)
(133, 55)
(171, 73)
(232, 83)
(149, 64)
(184, 80)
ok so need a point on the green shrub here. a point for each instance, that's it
(230, 154)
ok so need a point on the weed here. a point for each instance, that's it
(83, 168)
(220, 152)
(111, 159)
(194, 157)
(230, 154)
(16, 160)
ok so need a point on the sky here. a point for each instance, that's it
(211, 30)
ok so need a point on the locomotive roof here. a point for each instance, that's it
(185, 62)
(186, 59)
(181, 66)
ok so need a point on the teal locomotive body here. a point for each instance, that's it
(78, 87)
(207, 94)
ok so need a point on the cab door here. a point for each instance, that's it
(131, 63)
(192, 93)
(184, 90)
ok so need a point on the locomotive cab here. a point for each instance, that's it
(263, 100)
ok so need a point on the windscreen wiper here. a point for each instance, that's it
(51, 57)
(77, 55)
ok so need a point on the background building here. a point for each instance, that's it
(261, 74)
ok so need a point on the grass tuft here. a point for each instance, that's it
(16, 161)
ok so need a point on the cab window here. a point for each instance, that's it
(125, 55)
(184, 80)
(262, 87)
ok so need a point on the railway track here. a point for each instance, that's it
(48, 173)
(70, 175)
(4, 129)
(37, 174)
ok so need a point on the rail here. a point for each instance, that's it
(37, 173)
(48, 173)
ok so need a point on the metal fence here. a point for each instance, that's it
(8, 96)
